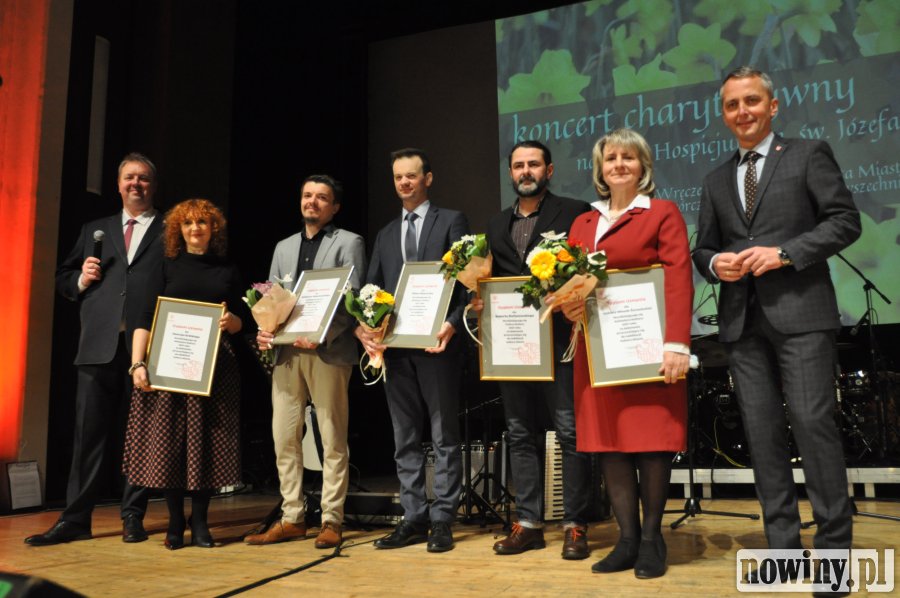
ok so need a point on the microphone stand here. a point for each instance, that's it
(692, 504)
(868, 320)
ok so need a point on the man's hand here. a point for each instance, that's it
(90, 272)
(369, 340)
(264, 340)
(305, 343)
(759, 260)
(727, 267)
(476, 304)
(444, 335)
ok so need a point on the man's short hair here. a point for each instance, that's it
(138, 157)
(744, 72)
(529, 143)
(337, 189)
(412, 152)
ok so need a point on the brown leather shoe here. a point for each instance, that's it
(575, 546)
(280, 531)
(519, 540)
(329, 536)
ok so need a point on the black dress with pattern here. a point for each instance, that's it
(176, 440)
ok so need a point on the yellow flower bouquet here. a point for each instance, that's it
(567, 270)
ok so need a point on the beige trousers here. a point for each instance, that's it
(298, 376)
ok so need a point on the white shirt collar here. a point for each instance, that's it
(419, 211)
(640, 201)
(144, 218)
(762, 148)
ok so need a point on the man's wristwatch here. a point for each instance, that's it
(784, 257)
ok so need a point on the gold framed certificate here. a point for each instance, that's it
(319, 293)
(420, 306)
(515, 344)
(184, 345)
(625, 323)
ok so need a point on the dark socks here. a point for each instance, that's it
(175, 504)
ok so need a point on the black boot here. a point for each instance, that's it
(175, 533)
(651, 560)
(200, 535)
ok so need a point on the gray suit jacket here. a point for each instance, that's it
(339, 248)
(802, 206)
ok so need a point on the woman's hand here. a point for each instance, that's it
(140, 379)
(229, 322)
(674, 366)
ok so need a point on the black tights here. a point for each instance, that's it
(620, 472)
(199, 509)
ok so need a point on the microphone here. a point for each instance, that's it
(98, 243)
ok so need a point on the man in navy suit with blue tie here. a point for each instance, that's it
(421, 385)
(770, 217)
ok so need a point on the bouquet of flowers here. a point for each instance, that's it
(372, 307)
(270, 305)
(467, 260)
(561, 268)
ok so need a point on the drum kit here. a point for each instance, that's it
(866, 415)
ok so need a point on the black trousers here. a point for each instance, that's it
(102, 400)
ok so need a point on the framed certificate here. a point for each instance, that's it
(624, 321)
(319, 294)
(515, 344)
(420, 306)
(183, 345)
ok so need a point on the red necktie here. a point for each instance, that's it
(129, 230)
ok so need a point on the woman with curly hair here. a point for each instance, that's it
(181, 442)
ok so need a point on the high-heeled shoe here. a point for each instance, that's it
(651, 561)
(175, 536)
(622, 557)
(200, 535)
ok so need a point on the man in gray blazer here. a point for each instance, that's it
(310, 371)
(110, 289)
(770, 217)
(421, 385)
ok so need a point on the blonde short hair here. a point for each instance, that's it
(630, 140)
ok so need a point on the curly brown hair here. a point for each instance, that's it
(193, 209)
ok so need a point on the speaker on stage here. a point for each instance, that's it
(24, 586)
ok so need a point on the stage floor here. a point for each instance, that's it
(701, 558)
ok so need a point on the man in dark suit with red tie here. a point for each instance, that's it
(770, 217)
(110, 290)
(421, 385)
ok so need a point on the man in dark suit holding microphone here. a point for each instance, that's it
(107, 273)
(421, 385)
(770, 217)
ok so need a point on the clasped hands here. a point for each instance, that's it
(731, 267)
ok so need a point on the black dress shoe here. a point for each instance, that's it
(133, 529)
(623, 557)
(62, 531)
(441, 538)
(651, 560)
(405, 534)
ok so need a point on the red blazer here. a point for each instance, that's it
(644, 237)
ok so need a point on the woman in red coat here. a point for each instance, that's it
(636, 427)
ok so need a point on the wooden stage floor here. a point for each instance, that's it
(701, 558)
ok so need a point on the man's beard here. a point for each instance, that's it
(311, 219)
(539, 186)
